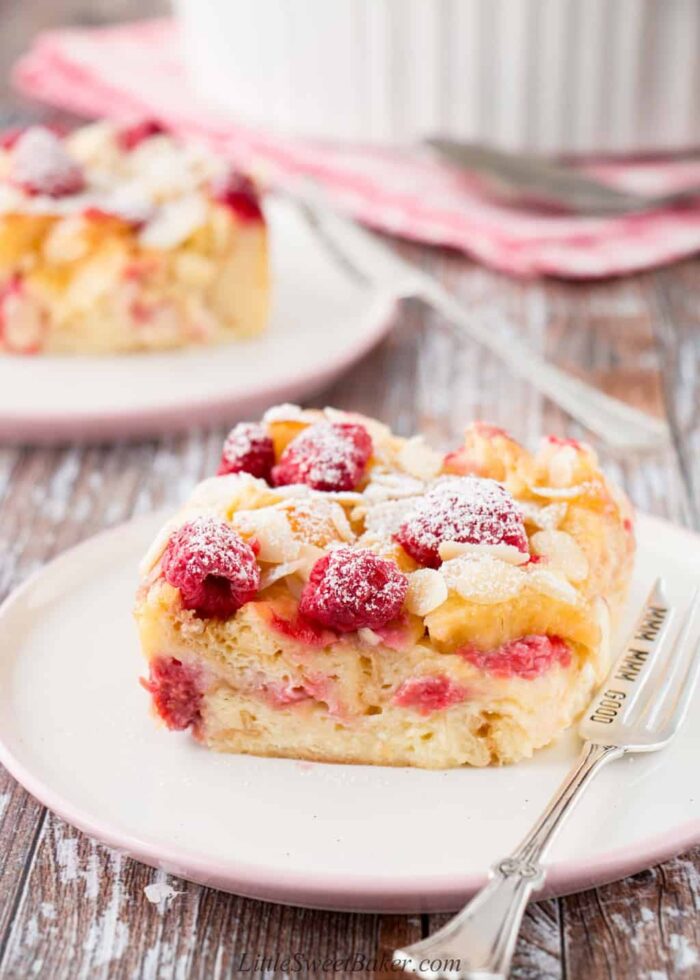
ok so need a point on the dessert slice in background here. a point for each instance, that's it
(119, 238)
(340, 593)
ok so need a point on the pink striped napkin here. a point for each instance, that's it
(136, 69)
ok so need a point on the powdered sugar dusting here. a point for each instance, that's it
(392, 485)
(212, 566)
(462, 509)
(326, 456)
(483, 579)
(210, 547)
(318, 521)
(353, 588)
(41, 164)
(242, 438)
(385, 518)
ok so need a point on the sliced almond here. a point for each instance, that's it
(427, 590)
(272, 531)
(309, 555)
(390, 485)
(419, 460)
(483, 579)
(217, 493)
(286, 412)
(174, 222)
(562, 552)
(369, 637)
(560, 493)
(553, 584)
(276, 572)
(562, 466)
(157, 547)
(67, 241)
(547, 517)
(386, 516)
(504, 552)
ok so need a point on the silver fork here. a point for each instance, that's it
(639, 709)
(522, 179)
(369, 261)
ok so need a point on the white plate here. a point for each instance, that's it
(76, 731)
(321, 322)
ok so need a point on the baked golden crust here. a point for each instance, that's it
(492, 654)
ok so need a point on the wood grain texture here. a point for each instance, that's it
(71, 908)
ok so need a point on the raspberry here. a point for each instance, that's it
(239, 193)
(41, 165)
(428, 694)
(463, 509)
(9, 137)
(325, 456)
(350, 589)
(302, 631)
(212, 566)
(248, 449)
(132, 136)
(528, 657)
(175, 691)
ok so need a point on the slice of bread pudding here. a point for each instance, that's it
(120, 238)
(343, 594)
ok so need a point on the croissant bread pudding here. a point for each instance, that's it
(340, 593)
(120, 238)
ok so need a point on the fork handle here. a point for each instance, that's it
(614, 421)
(480, 940)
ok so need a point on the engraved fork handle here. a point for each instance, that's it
(479, 941)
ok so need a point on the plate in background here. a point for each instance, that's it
(321, 323)
(76, 731)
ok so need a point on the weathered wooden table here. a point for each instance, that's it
(71, 908)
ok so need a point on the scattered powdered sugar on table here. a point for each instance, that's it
(684, 956)
(160, 891)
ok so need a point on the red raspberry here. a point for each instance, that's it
(528, 657)
(175, 690)
(557, 441)
(325, 456)
(248, 449)
(428, 694)
(212, 566)
(466, 509)
(41, 165)
(353, 588)
(9, 137)
(132, 136)
(239, 193)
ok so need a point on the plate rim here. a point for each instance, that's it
(136, 423)
(354, 893)
(368, 326)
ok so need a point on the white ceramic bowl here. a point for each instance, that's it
(575, 76)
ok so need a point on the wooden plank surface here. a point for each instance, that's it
(71, 908)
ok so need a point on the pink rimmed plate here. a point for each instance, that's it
(75, 730)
